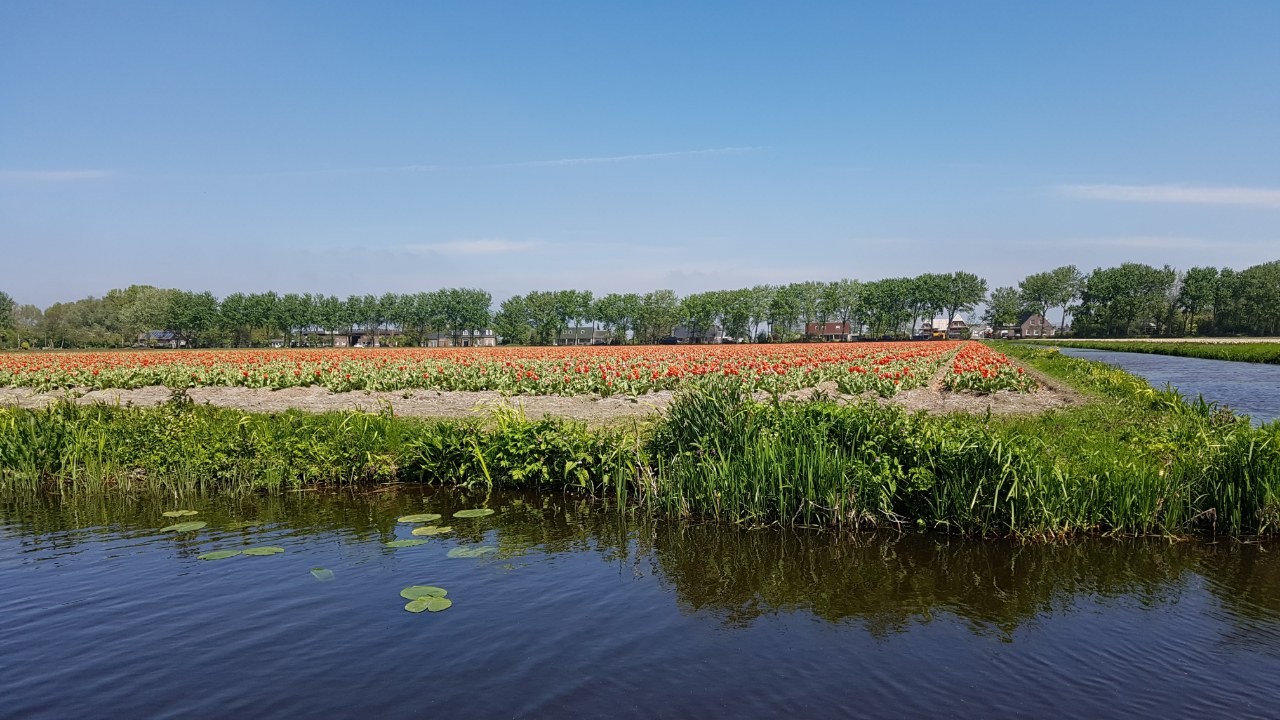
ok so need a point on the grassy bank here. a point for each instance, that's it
(1260, 352)
(1132, 461)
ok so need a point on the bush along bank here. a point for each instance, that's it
(1133, 461)
(1254, 352)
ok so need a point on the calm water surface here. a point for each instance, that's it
(585, 611)
(1251, 389)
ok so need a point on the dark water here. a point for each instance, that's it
(590, 612)
(1251, 389)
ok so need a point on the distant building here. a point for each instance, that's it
(161, 339)
(829, 331)
(582, 336)
(940, 328)
(466, 338)
(713, 335)
(1029, 325)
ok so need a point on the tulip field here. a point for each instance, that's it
(883, 368)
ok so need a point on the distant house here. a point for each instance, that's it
(829, 331)
(1033, 325)
(940, 328)
(161, 338)
(1029, 325)
(466, 338)
(713, 335)
(582, 336)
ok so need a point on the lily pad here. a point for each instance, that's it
(422, 517)
(405, 543)
(264, 551)
(179, 513)
(219, 554)
(242, 524)
(436, 604)
(185, 526)
(478, 512)
(322, 574)
(432, 530)
(471, 552)
(413, 592)
(428, 603)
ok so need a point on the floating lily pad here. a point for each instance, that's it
(179, 513)
(436, 604)
(423, 517)
(478, 512)
(219, 554)
(471, 552)
(413, 592)
(428, 603)
(185, 526)
(432, 530)
(405, 543)
(264, 551)
(322, 574)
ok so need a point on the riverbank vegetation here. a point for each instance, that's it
(1257, 352)
(1133, 461)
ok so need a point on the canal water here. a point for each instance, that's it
(582, 610)
(1251, 389)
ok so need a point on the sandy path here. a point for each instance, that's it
(592, 409)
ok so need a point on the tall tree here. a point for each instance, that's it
(1003, 308)
(965, 291)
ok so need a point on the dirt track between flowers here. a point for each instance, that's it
(592, 409)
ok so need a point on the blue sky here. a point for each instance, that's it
(366, 147)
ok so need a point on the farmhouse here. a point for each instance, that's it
(829, 331)
(1029, 325)
(582, 336)
(466, 338)
(713, 335)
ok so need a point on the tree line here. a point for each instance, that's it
(1132, 299)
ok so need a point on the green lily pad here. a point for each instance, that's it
(179, 513)
(471, 552)
(264, 551)
(405, 543)
(436, 604)
(428, 603)
(413, 592)
(219, 554)
(478, 512)
(423, 517)
(322, 574)
(432, 530)
(185, 526)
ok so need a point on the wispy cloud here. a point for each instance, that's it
(1181, 194)
(1154, 242)
(42, 176)
(560, 162)
(600, 160)
(486, 246)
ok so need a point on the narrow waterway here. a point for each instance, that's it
(580, 610)
(1251, 389)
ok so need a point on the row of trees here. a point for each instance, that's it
(1131, 299)
(880, 306)
(239, 319)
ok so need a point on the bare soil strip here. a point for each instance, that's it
(592, 409)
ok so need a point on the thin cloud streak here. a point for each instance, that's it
(1178, 194)
(44, 176)
(628, 158)
(486, 246)
(561, 162)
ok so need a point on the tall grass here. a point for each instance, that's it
(1133, 461)
(1254, 352)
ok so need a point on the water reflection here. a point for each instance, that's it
(885, 584)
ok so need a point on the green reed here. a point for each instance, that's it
(1132, 460)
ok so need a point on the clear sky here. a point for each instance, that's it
(401, 146)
